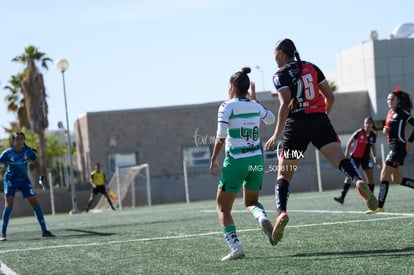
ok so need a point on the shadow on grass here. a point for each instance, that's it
(86, 233)
(367, 253)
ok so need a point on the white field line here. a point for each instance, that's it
(4, 269)
(394, 216)
(322, 212)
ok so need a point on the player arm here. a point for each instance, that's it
(328, 94)
(374, 153)
(91, 181)
(38, 168)
(222, 128)
(283, 112)
(267, 116)
(350, 142)
(411, 137)
(218, 144)
(409, 144)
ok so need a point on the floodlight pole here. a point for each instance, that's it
(62, 65)
(262, 75)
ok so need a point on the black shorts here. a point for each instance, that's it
(365, 163)
(99, 189)
(396, 155)
(302, 130)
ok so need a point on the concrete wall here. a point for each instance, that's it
(377, 66)
(158, 135)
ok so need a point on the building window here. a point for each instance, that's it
(120, 160)
(197, 156)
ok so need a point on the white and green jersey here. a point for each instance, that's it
(239, 124)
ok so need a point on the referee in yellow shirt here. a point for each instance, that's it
(98, 186)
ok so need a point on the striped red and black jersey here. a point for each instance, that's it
(305, 89)
(363, 142)
(395, 123)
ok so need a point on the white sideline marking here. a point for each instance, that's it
(323, 212)
(394, 216)
(4, 269)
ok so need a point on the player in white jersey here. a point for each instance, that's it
(239, 129)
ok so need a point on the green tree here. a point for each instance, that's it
(15, 101)
(333, 85)
(35, 95)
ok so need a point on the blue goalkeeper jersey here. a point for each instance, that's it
(17, 163)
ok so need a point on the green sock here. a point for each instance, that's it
(259, 213)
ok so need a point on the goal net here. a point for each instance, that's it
(121, 187)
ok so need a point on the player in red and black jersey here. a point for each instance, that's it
(360, 147)
(305, 99)
(400, 106)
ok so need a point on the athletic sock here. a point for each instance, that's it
(230, 234)
(282, 192)
(39, 215)
(259, 213)
(383, 193)
(408, 182)
(110, 202)
(345, 189)
(5, 219)
(350, 170)
(371, 187)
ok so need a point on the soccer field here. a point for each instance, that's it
(322, 237)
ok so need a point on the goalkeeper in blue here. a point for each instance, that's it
(16, 178)
(238, 129)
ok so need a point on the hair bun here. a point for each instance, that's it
(246, 70)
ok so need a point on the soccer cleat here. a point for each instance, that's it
(281, 222)
(369, 198)
(113, 208)
(3, 238)
(47, 233)
(378, 210)
(267, 228)
(234, 254)
(339, 199)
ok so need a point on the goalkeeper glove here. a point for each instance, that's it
(42, 182)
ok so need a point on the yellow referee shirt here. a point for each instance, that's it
(98, 178)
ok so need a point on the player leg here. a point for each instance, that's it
(286, 170)
(345, 188)
(251, 191)
(8, 207)
(228, 188)
(386, 174)
(369, 175)
(333, 152)
(29, 194)
(39, 215)
(105, 193)
(91, 199)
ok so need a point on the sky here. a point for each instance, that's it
(130, 54)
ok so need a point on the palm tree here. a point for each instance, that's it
(15, 100)
(35, 94)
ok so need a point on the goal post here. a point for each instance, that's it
(122, 184)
